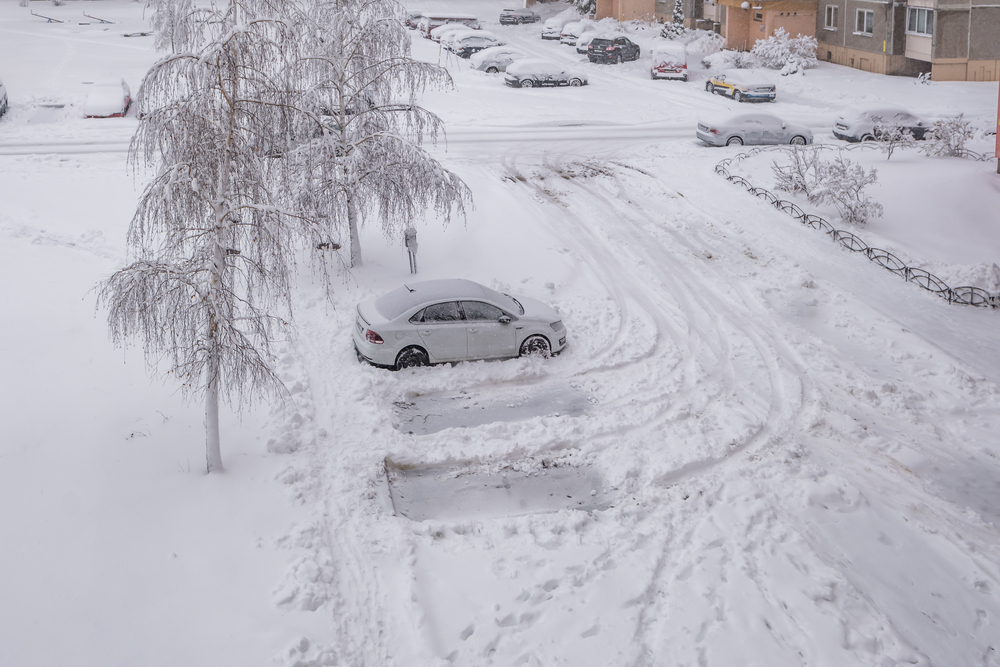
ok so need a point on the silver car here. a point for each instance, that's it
(752, 128)
(866, 124)
(453, 320)
(535, 72)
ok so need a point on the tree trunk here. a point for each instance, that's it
(352, 221)
(213, 449)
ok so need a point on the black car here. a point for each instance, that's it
(515, 16)
(612, 50)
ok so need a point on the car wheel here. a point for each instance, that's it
(519, 21)
(527, 83)
(798, 140)
(734, 141)
(536, 346)
(868, 137)
(709, 87)
(617, 59)
(576, 83)
(411, 357)
(492, 70)
(738, 96)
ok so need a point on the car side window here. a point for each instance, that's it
(619, 42)
(478, 311)
(439, 312)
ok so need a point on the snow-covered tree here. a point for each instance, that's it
(210, 242)
(675, 28)
(586, 7)
(948, 137)
(842, 183)
(789, 54)
(365, 159)
(174, 24)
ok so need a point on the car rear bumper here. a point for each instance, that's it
(670, 74)
(710, 139)
(846, 137)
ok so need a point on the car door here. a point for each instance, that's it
(753, 131)
(488, 337)
(442, 331)
(630, 50)
(503, 59)
(771, 131)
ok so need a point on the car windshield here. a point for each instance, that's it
(601, 41)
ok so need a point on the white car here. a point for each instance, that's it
(495, 59)
(443, 32)
(553, 27)
(572, 31)
(752, 129)
(453, 320)
(108, 100)
(465, 44)
(669, 62)
(535, 72)
(583, 41)
(3, 99)
(864, 124)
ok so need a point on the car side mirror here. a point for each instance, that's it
(504, 319)
(920, 122)
(782, 126)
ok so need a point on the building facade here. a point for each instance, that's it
(953, 40)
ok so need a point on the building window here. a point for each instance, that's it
(831, 17)
(758, 16)
(865, 22)
(919, 21)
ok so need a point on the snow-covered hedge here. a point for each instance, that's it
(779, 51)
(840, 182)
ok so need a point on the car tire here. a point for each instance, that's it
(527, 83)
(734, 141)
(492, 70)
(798, 140)
(868, 137)
(411, 357)
(709, 88)
(617, 60)
(518, 21)
(536, 346)
(738, 96)
(576, 83)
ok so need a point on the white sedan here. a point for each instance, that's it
(534, 72)
(496, 58)
(453, 320)
(752, 128)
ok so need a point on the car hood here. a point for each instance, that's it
(534, 309)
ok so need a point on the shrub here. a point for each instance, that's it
(789, 54)
(839, 182)
(948, 137)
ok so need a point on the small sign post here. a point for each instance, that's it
(410, 240)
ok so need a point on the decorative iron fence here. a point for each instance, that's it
(965, 295)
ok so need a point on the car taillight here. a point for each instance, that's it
(713, 131)
(610, 48)
(373, 337)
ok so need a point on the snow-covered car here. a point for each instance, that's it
(553, 27)
(453, 320)
(413, 18)
(3, 99)
(754, 128)
(572, 31)
(669, 62)
(496, 58)
(612, 49)
(108, 100)
(583, 41)
(429, 21)
(443, 32)
(742, 86)
(534, 72)
(517, 16)
(865, 124)
(464, 45)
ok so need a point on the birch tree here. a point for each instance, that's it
(358, 150)
(209, 281)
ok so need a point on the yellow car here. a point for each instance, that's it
(741, 86)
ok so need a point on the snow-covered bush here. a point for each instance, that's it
(924, 78)
(729, 59)
(704, 41)
(891, 135)
(789, 54)
(842, 183)
(803, 173)
(675, 28)
(948, 137)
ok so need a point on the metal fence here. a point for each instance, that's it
(965, 295)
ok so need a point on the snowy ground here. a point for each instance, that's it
(796, 449)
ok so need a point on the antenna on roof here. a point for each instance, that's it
(409, 288)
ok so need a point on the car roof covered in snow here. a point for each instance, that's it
(745, 76)
(536, 66)
(393, 304)
(886, 113)
(670, 49)
(106, 98)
